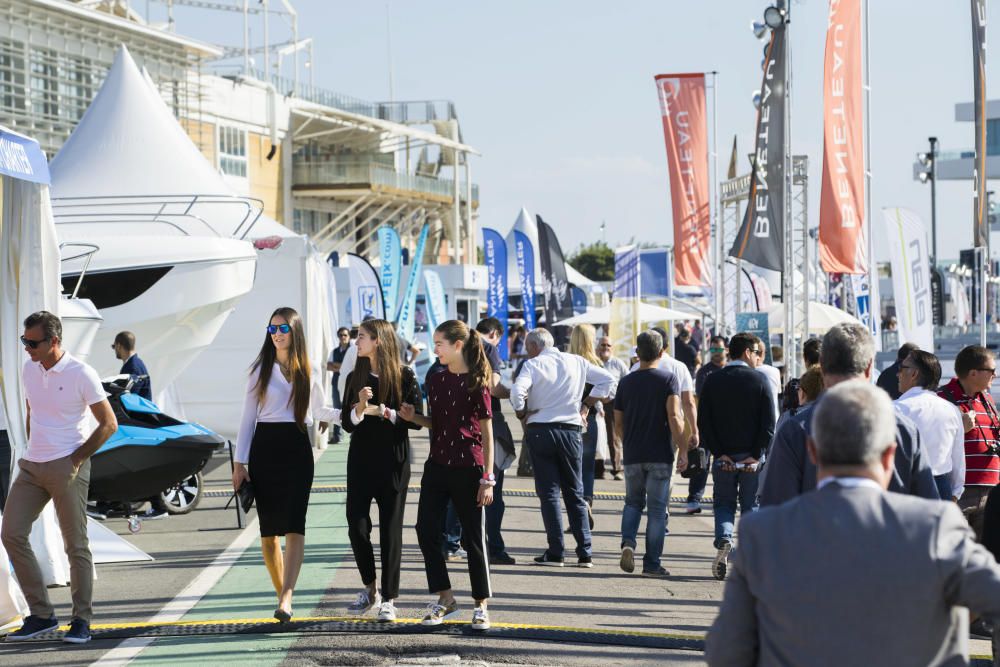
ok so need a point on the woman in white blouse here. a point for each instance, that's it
(281, 403)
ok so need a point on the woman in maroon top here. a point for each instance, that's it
(461, 453)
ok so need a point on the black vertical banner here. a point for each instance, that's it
(555, 285)
(760, 240)
(979, 218)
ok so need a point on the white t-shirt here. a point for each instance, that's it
(346, 366)
(773, 376)
(59, 399)
(678, 368)
(277, 408)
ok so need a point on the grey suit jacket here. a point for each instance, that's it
(853, 576)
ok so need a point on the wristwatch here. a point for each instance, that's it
(489, 477)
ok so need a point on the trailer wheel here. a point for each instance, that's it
(184, 496)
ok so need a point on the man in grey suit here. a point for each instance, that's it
(852, 574)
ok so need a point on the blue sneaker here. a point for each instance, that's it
(79, 632)
(33, 626)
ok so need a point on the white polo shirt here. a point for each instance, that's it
(59, 399)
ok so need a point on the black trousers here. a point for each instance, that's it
(461, 486)
(5, 468)
(391, 504)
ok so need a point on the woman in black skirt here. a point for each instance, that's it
(378, 462)
(282, 400)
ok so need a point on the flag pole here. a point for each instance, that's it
(720, 254)
(874, 306)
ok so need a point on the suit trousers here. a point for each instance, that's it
(614, 442)
(35, 486)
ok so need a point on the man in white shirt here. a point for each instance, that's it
(772, 374)
(938, 421)
(56, 466)
(548, 393)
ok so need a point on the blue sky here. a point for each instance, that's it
(559, 95)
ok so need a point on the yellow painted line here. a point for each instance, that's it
(371, 621)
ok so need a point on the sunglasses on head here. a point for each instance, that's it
(32, 344)
(275, 328)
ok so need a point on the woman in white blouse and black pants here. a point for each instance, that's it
(281, 403)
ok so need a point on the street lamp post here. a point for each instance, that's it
(929, 161)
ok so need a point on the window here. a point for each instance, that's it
(233, 151)
(13, 94)
(45, 83)
(114, 288)
(993, 136)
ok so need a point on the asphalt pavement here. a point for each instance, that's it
(208, 575)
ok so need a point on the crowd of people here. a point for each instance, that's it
(849, 492)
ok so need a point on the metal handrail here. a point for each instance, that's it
(64, 208)
(88, 254)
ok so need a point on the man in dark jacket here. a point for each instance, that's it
(847, 353)
(736, 422)
(889, 379)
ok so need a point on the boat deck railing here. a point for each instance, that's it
(185, 214)
(86, 254)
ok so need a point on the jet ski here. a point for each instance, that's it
(151, 456)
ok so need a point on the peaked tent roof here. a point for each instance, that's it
(525, 223)
(129, 144)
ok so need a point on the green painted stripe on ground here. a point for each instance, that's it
(245, 590)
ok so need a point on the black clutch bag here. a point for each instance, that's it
(697, 463)
(245, 495)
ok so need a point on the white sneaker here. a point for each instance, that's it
(364, 602)
(436, 613)
(480, 619)
(386, 612)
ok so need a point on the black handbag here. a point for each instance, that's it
(245, 495)
(697, 463)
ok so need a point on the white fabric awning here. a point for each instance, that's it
(647, 313)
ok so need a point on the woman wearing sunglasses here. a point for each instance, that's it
(378, 461)
(282, 400)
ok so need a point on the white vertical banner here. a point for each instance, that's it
(911, 276)
(866, 305)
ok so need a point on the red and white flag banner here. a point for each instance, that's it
(843, 229)
(685, 130)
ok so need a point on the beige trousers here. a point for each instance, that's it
(35, 485)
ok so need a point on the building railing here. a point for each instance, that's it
(338, 172)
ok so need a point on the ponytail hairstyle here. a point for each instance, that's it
(390, 373)
(582, 342)
(480, 373)
(298, 365)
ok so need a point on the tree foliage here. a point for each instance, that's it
(596, 261)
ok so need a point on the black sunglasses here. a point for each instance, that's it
(32, 344)
(275, 328)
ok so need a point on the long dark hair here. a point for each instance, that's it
(298, 364)
(480, 372)
(390, 373)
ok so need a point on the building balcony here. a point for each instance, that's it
(349, 178)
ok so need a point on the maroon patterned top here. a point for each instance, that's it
(456, 440)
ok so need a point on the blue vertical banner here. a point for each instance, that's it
(624, 324)
(391, 271)
(406, 321)
(579, 300)
(495, 254)
(525, 254)
(437, 310)
(756, 324)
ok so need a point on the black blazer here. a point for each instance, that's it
(736, 412)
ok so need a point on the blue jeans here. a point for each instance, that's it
(647, 486)
(697, 483)
(589, 453)
(494, 518)
(452, 530)
(943, 485)
(556, 455)
(731, 487)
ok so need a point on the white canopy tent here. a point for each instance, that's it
(129, 146)
(647, 313)
(821, 316)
